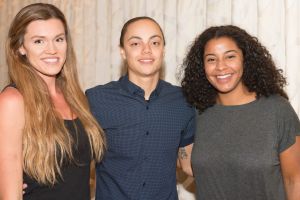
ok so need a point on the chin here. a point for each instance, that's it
(222, 89)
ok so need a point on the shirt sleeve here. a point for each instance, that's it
(93, 97)
(89, 97)
(288, 126)
(187, 135)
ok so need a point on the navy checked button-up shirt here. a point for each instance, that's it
(143, 139)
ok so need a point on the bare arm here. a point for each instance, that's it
(290, 166)
(11, 125)
(184, 157)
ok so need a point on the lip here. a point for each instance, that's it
(50, 60)
(224, 76)
(146, 60)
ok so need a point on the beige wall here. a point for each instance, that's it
(96, 24)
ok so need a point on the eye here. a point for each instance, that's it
(60, 39)
(38, 41)
(155, 43)
(134, 44)
(231, 56)
(210, 60)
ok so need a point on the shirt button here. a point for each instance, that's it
(144, 184)
(147, 107)
(147, 133)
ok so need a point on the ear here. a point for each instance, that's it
(22, 50)
(123, 54)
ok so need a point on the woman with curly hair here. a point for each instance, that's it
(247, 144)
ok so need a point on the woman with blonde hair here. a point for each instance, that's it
(48, 136)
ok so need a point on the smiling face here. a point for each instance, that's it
(143, 49)
(45, 46)
(223, 64)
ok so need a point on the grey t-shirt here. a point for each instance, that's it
(236, 150)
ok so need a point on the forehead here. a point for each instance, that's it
(221, 44)
(143, 28)
(45, 27)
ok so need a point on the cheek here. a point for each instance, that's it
(208, 69)
(159, 52)
(131, 53)
(32, 56)
(33, 53)
(239, 67)
(63, 49)
(129, 56)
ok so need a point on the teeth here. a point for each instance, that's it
(223, 76)
(150, 60)
(51, 60)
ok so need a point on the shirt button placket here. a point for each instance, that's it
(145, 157)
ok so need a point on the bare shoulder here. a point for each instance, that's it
(11, 102)
(12, 118)
(11, 97)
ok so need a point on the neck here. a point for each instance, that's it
(236, 98)
(147, 83)
(51, 84)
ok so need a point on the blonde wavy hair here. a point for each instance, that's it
(46, 141)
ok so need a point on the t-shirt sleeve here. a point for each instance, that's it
(288, 126)
(187, 135)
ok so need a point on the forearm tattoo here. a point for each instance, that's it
(182, 153)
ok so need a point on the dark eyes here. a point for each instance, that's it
(153, 43)
(210, 59)
(38, 41)
(231, 56)
(41, 41)
(227, 57)
(134, 44)
(60, 39)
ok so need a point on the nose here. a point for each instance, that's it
(220, 65)
(146, 48)
(51, 48)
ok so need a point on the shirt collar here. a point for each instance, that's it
(134, 89)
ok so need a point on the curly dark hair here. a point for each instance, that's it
(260, 73)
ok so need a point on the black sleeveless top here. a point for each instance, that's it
(75, 176)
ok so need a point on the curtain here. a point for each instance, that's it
(96, 24)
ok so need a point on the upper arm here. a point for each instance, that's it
(290, 162)
(184, 157)
(186, 144)
(11, 126)
(187, 134)
(290, 167)
(288, 129)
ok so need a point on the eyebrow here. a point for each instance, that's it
(139, 38)
(229, 51)
(41, 36)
